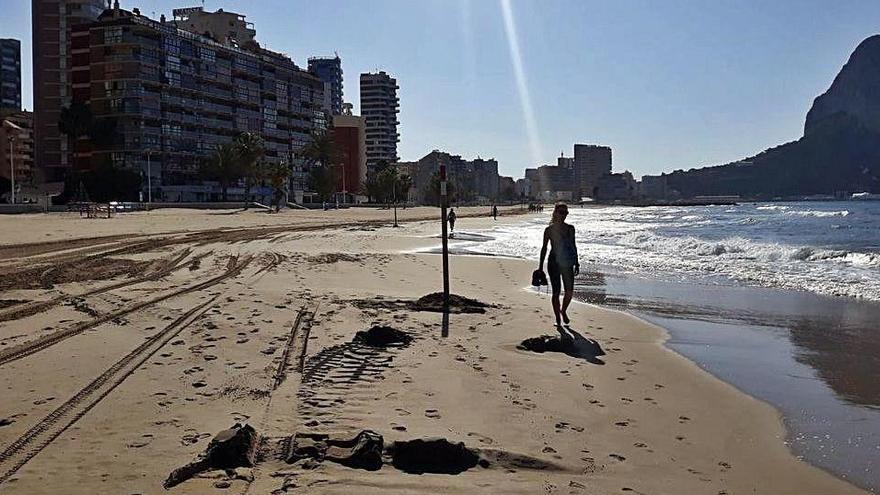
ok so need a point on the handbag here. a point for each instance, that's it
(539, 278)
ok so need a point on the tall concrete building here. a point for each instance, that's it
(52, 23)
(475, 179)
(168, 97)
(590, 163)
(350, 135)
(10, 74)
(227, 28)
(563, 161)
(329, 70)
(379, 107)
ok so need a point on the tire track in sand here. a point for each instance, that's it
(20, 351)
(32, 442)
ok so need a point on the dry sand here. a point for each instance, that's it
(127, 344)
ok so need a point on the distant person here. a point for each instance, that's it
(562, 265)
(494, 212)
(450, 217)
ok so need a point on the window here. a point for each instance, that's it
(113, 35)
(208, 55)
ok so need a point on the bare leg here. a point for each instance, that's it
(566, 300)
(555, 301)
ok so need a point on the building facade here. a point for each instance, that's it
(550, 183)
(17, 148)
(10, 74)
(329, 70)
(379, 107)
(227, 28)
(349, 135)
(473, 180)
(615, 187)
(52, 24)
(590, 163)
(168, 98)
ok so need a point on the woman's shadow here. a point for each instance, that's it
(568, 342)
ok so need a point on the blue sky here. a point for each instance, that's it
(667, 84)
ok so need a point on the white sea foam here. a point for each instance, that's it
(788, 246)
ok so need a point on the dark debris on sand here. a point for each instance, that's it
(229, 449)
(364, 451)
(433, 455)
(382, 336)
(457, 304)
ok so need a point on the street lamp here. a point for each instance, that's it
(13, 129)
(149, 180)
(12, 168)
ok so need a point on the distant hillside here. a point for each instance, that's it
(840, 150)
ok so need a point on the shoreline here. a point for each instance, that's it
(640, 418)
(837, 454)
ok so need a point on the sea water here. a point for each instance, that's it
(782, 300)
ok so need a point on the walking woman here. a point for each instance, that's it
(562, 265)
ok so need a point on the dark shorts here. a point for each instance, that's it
(556, 273)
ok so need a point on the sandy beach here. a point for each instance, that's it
(127, 344)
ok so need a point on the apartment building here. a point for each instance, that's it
(168, 97)
(379, 107)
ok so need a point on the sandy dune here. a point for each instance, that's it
(127, 344)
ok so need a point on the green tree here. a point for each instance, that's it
(250, 148)
(324, 180)
(76, 120)
(431, 191)
(371, 188)
(405, 183)
(223, 166)
(278, 175)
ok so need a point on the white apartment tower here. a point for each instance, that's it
(379, 108)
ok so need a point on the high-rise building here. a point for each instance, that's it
(166, 98)
(565, 162)
(551, 183)
(379, 107)
(471, 179)
(350, 135)
(224, 27)
(329, 70)
(10, 74)
(52, 23)
(590, 163)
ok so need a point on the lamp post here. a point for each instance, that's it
(149, 180)
(12, 168)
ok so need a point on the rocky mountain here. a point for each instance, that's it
(839, 152)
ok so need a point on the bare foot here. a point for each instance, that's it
(565, 318)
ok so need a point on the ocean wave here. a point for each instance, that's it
(740, 246)
(818, 213)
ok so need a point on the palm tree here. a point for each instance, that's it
(223, 166)
(250, 149)
(75, 121)
(278, 175)
(322, 149)
(322, 155)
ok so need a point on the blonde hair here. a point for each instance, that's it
(559, 213)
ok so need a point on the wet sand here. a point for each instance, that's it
(814, 357)
(124, 353)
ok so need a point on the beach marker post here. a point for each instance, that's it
(443, 206)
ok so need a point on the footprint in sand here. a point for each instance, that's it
(432, 413)
(683, 419)
(402, 412)
(617, 457)
(481, 438)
